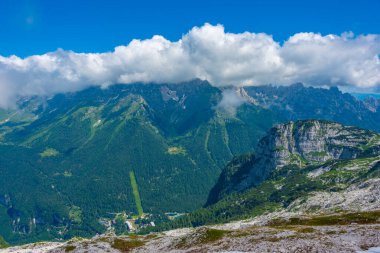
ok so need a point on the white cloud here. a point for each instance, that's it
(333, 60)
(206, 52)
(231, 100)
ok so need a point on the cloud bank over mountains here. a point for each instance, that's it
(206, 52)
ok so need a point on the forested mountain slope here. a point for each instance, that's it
(70, 164)
(66, 160)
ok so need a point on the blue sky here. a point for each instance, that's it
(30, 27)
(53, 46)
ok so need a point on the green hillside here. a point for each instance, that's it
(78, 153)
(136, 193)
(72, 153)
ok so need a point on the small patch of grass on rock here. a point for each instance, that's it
(372, 217)
(126, 245)
(212, 235)
(151, 236)
(202, 236)
(305, 230)
(69, 248)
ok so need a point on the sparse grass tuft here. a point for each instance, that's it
(372, 217)
(203, 236)
(126, 245)
(299, 229)
(305, 230)
(151, 236)
(69, 248)
(212, 235)
(3, 243)
(273, 239)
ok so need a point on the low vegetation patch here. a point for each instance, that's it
(299, 229)
(317, 154)
(202, 236)
(272, 239)
(76, 239)
(49, 152)
(151, 236)
(75, 214)
(241, 234)
(104, 239)
(305, 230)
(69, 248)
(176, 151)
(126, 245)
(3, 243)
(342, 219)
(212, 235)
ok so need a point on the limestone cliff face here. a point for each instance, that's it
(313, 141)
(298, 144)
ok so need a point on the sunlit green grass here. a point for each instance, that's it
(136, 193)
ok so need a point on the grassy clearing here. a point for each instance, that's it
(136, 193)
(49, 152)
(176, 151)
(116, 131)
(67, 173)
(75, 214)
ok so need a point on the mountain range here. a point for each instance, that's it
(310, 186)
(80, 157)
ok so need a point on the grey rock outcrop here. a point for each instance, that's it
(300, 143)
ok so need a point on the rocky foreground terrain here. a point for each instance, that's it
(293, 234)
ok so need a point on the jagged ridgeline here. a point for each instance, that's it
(307, 167)
(66, 161)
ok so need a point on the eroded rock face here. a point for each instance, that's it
(313, 141)
(362, 196)
(298, 144)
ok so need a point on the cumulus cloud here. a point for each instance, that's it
(231, 100)
(333, 60)
(206, 52)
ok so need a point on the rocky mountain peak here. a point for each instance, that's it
(300, 143)
(313, 141)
